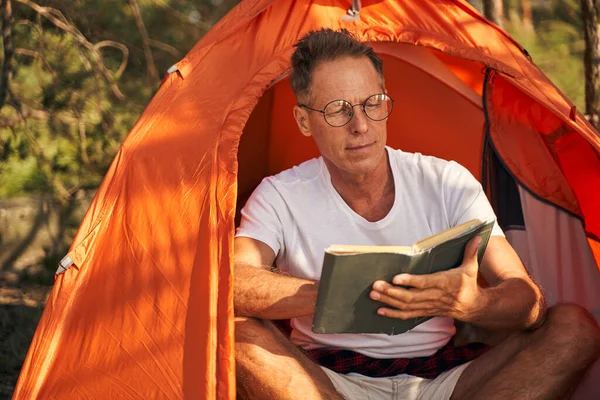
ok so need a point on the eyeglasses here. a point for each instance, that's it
(338, 113)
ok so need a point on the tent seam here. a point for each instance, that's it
(433, 76)
(464, 52)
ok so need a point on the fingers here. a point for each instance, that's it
(419, 281)
(416, 281)
(439, 280)
(470, 264)
(433, 301)
(387, 293)
(401, 314)
(471, 249)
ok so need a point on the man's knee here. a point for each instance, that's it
(260, 339)
(251, 332)
(269, 366)
(573, 332)
(255, 348)
(246, 328)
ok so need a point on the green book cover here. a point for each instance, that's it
(343, 302)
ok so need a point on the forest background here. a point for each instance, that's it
(79, 75)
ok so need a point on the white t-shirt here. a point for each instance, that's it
(298, 213)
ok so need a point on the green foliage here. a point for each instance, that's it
(64, 120)
(556, 45)
(19, 176)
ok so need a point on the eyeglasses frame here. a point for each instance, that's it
(363, 105)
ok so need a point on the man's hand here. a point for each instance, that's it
(453, 293)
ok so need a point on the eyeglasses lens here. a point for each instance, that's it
(377, 107)
(338, 113)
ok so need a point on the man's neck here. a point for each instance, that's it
(370, 195)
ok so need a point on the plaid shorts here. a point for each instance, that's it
(446, 358)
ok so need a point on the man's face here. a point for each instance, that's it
(359, 146)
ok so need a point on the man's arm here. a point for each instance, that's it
(513, 301)
(259, 292)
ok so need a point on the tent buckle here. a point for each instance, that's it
(353, 12)
(63, 265)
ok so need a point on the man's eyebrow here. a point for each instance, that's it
(360, 101)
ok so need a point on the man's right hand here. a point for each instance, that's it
(453, 293)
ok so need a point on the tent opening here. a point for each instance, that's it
(437, 111)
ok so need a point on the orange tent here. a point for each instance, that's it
(145, 309)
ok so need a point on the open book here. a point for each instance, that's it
(343, 302)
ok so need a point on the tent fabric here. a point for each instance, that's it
(521, 147)
(147, 310)
(535, 143)
(552, 245)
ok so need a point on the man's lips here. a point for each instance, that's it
(360, 146)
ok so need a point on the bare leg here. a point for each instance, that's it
(268, 366)
(547, 363)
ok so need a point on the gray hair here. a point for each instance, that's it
(321, 46)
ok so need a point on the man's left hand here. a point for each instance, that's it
(453, 293)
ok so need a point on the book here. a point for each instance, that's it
(343, 302)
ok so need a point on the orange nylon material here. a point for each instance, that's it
(520, 145)
(581, 167)
(595, 246)
(147, 311)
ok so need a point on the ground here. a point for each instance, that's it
(20, 310)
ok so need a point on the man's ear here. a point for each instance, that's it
(301, 117)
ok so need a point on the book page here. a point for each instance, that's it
(347, 249)
(446, 235)
(422, 245)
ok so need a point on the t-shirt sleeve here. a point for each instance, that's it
(261, 216)
(465, 199)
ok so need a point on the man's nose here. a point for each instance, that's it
(360, 121)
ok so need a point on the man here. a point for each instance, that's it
(360, 192)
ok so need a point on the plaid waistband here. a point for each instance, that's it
(446, 358)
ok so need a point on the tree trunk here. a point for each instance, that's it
(152, 71)
(591, 22)
(6, 72)
(511, 10)
(526, 18)
(492, 9)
